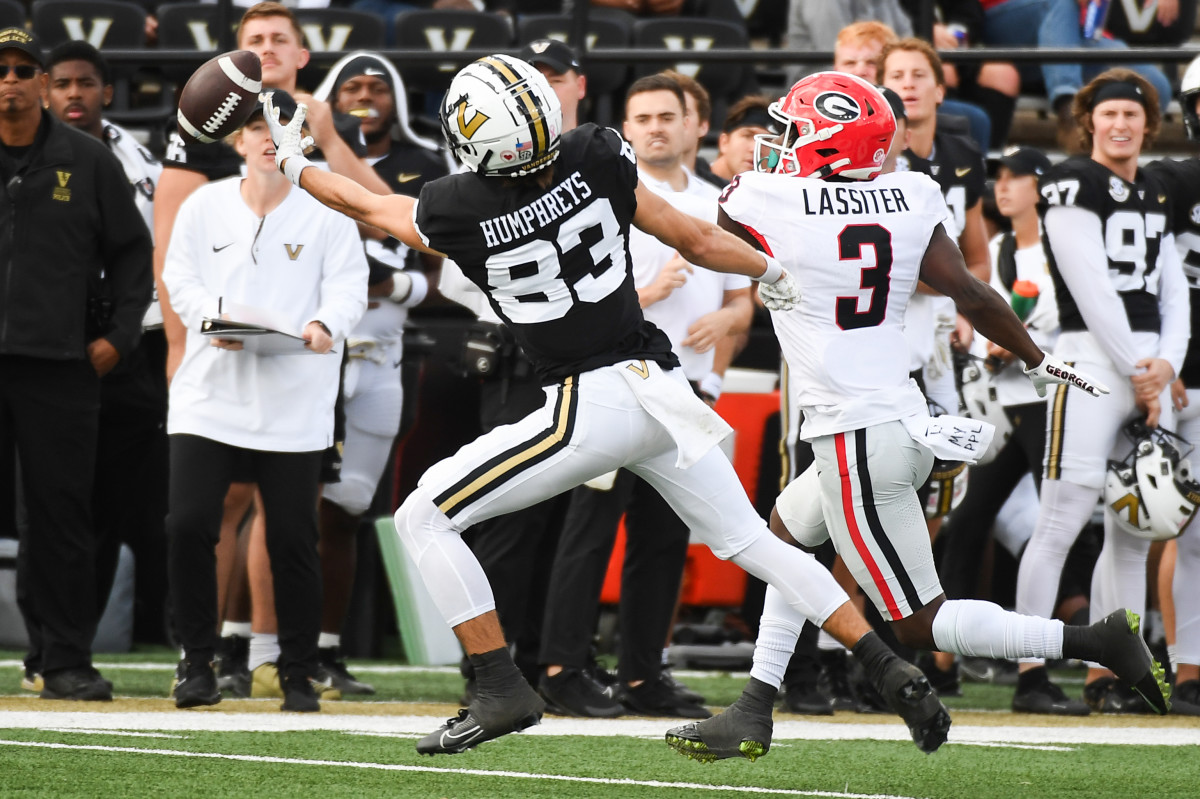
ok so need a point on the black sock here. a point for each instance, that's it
(1028, 680)
(494, 671)
(1082, 642)
(757, 697)
(873, 654)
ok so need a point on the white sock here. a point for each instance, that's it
(329, 640)
(241, 629)
(778, 630)
(982, 629)
(1064, 509)
(666, 656)
(827, 643)
(264, 648)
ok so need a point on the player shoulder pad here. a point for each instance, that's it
(1078, 181)
(744, 197)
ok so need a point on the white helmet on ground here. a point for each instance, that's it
(1152, 493)
(979, 398)
(500, 117)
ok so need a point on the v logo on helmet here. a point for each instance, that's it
(469, 129)
(837, 107)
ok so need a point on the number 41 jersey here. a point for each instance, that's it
(855, 250)
(553, 260)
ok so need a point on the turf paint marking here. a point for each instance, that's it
(126, 733)
(690, 786)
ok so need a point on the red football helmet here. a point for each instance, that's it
(835, 124)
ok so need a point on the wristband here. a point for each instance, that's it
(294, 166)
(774, 271)
(711, 385)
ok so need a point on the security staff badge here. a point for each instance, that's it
(61, 192)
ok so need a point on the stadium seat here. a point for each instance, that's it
(446, 31)
(685, 34)
(12, 14)
(190, 26)
(332, 30)
(602, 78)
(102, 23)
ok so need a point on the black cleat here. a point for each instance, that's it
(1046, 698)
(81, 683)
(946, 683)
(195, 685)
(834, 681)
(1111, 696)
(299, 695)
(909, 694)
(488, 717)
(572, 692)
(1126, 654)
(679, 688)
(657, 698)
(1186, 698)
(333, 671)
(733, 733)
(806, 699)
(233, 666)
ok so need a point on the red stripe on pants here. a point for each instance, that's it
(855, 534)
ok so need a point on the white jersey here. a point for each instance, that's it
(855, 251)
(704, 291)
(301, 260)
(142, 169)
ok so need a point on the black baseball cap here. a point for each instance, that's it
(23, 40)
(557, 55)
(365, 64)
(1023, 161)
(895, 102)
(282, 100)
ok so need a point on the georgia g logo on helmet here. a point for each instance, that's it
(837, 106)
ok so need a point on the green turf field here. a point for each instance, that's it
(140, 745)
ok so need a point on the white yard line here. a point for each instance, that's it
(688, 786)
(216, 721)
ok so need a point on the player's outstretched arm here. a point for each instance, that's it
(944, 269)
(699, 242)
(392, 213)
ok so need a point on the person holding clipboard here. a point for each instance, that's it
(255, 250)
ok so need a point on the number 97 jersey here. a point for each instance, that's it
(855, 250)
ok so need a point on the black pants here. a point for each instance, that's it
(130, 493)
(50, 409)
(516, 550)
(655, 551)
(201, 471)
(967, 529)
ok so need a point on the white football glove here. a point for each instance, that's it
(290, 141)
(782, 295)
(1053, 372)
(776, 287)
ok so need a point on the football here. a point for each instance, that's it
(219, 96)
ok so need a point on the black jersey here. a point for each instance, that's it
(956, 165)
(408, 167)
(554, 262)
(1182, 181)
(1133, 218)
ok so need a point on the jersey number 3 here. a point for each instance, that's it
(876, 277)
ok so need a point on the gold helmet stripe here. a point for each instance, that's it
(538, 125)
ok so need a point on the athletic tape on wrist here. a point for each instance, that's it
(773, 273)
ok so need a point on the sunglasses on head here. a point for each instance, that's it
(23, 71)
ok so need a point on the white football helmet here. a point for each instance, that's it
(981, 403)
(1189, 90)
(1151, 493)
(500, 117)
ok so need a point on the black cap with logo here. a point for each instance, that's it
(23, 40)
(1024, 161)
(552, 53)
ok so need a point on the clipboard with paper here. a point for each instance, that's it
(261, 330)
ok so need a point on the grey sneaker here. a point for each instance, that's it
(733, 733)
